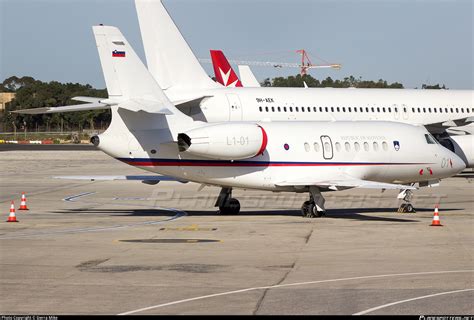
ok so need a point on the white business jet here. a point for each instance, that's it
(149, 132)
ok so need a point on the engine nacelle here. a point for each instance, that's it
(232, 141)
(463, 146)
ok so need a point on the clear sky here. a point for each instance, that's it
(409, 41)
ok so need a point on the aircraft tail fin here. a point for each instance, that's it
(169, 58)
(127, 79)
(223, 72)
(247, 77)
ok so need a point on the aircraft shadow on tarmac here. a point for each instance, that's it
(352, 214)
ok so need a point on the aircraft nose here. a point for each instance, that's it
(458, 164)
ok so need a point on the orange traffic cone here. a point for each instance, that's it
(12, 216)
(23, 202)
(436, 222)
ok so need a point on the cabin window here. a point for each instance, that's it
(327, 147)
(361, 109)
(315, 109)
(332, 109)
(279, 109)
(327, 109)
(291, 109)
(396, 109)
(337, 109)
(384, 146)
(424, 110)
(320, 109)
(356, 146)
(350, 109)
(306, 147)
(316, 147)
(347, 145)
(440, 110)
(435, 110)
(462, 110)
(309, 109)
(266, 109)
(383, 109)
(367, 109)
(296, 109)
(260, 108)
(419, 111)
(378, 109)
(284, 109)
(429, 110)
(376, 146)
(366, 146)
(389, 109)
(373, 110)
(457, 110)
(302, 109)
(413, 110)
(405, 110)
(338, 147)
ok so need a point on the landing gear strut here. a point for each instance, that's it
(406, 206)
(227, 204)
(315, 206)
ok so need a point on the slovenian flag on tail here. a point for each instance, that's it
(117, 53)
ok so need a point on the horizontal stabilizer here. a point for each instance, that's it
(71, 108)
(87, 99)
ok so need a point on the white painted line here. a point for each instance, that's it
(408, 300)
(77, 196)
(289, 285)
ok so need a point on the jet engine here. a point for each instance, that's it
(463, 146)
(230, 141)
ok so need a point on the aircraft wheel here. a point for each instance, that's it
(305, 209)
(409, 208)
(234, 206)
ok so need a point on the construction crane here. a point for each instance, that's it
(303, 66)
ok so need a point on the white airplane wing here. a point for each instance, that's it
(143, 178)
(247, 77)
(345, 183)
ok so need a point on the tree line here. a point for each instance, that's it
(31, 93)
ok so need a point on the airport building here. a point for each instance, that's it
(5, 97)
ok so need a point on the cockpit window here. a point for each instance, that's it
(430, 139)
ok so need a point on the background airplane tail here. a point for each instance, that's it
(169, 58)
(223, 72)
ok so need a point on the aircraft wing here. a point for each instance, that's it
(143, 178)
(345, 183)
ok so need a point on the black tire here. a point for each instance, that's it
(409, 208)
(234, 206)
(305, 209)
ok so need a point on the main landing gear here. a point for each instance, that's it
(315, 206)
(227, 204)
(406, 206)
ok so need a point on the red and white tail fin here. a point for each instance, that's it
(224, 73)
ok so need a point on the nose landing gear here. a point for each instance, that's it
(406, 206)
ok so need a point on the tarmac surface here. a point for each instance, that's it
(123, 247)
